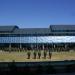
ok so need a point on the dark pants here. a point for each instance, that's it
(50, 54)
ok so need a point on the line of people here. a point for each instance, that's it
(39, 54)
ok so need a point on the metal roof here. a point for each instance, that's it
(62, 28)
(32, 31)
(53, 30)
(7, 28)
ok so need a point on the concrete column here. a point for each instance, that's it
(54, 46)
(31, 46)
(10, 47)
(37, 46)
(43, 47)
(65, 45)
(20, 45)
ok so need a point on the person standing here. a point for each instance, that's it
(28, 53)
(34, 54)
(39, 54)
(45, 54)
(50, 54)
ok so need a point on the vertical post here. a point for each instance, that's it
(43, 46)
(10, 47)
(20, 46)
(37, 46)
(20, 42)
(65, 46)
(10, 40)
(54, 46)
(31, 46)
(36, 42)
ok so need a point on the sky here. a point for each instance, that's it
(37, 13)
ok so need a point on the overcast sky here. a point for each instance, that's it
(37, 13)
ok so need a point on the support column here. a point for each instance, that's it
(37, 46)
(65, 45)
(20, 45)
(43, 47)
(10, 47)
(54, 46)
(32, 46)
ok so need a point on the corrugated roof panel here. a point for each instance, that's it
(62, 27)
(32, 31)
(54, 29)
(7, 28)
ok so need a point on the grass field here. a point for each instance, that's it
(22, 57)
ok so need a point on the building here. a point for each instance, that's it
(37, 38)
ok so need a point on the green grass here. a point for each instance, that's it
(22, 56)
